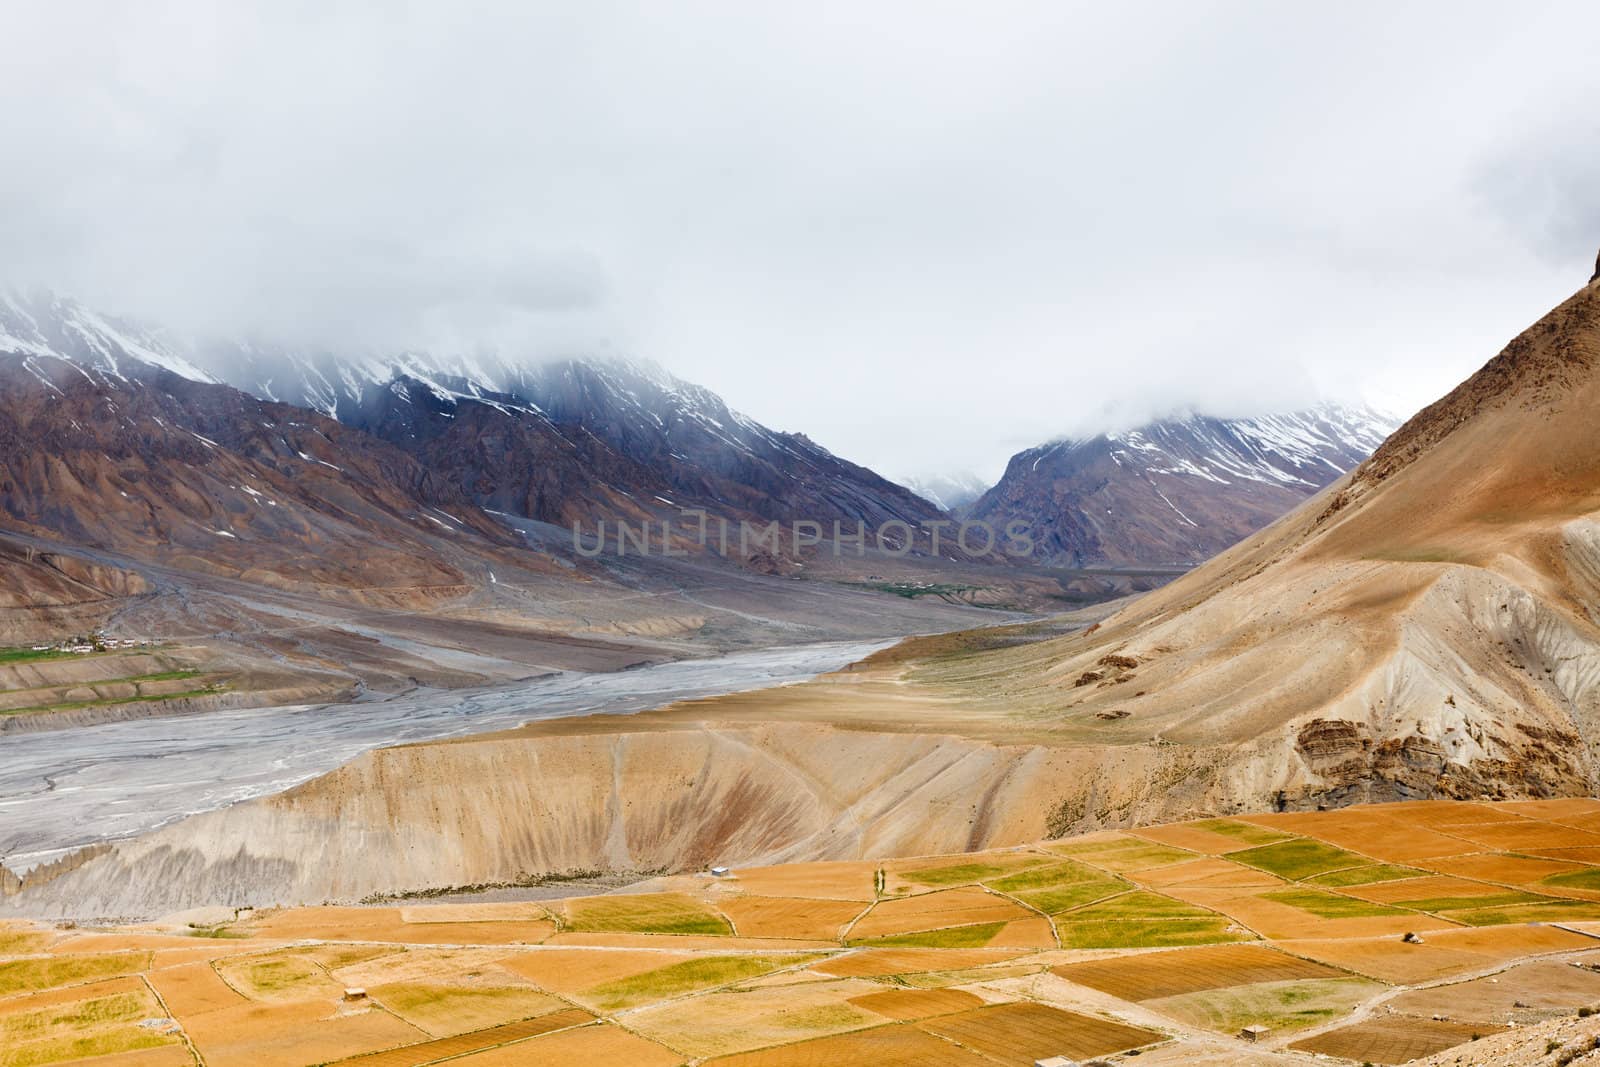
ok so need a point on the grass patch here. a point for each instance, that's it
(274, 976)
(1247, 833)
(1330, 905)
(1064, 898)
(15, 942)
(1060, 886)
(21, 976)
(965, 873)
(1589, 879)
(1488, 900)
(1130, 854)
(98, 1027)
(1140, 904)
(913, 590)
(1056, 874)
(447, 1010)
(649, 913)
(686, 977)
(1555, 911)
(974, 936)
(1146, 934)
(108, 702)
(1298, 858)
(1283, 1006)
(1370, 875)
(218, 933)
(27, 655)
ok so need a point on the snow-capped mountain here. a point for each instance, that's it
(952, 492)
(1178, 490)
(562, 441)
(40, 323)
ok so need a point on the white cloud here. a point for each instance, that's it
(926, 234)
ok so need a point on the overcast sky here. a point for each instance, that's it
(926, 234)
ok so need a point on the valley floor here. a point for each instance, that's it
(1469, 932)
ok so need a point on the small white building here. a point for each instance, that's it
(720, 872)
(1055, 1061)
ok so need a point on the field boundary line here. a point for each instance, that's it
(182, 1030)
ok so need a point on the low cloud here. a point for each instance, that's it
(927, 236)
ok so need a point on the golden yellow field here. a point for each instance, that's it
(1166, 939)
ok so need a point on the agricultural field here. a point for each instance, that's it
(42, 681)
(1319, 932)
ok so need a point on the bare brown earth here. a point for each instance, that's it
(768, 965)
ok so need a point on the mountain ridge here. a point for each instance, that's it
(1178, 490)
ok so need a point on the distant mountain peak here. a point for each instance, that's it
(555, 440)
(1179, 489)
(41, 323)
(951, 491)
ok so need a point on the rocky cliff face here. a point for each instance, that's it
(581, 441)
(556, 441)
(145, 462)
(1178, 491)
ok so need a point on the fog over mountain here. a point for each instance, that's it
(1271, 206)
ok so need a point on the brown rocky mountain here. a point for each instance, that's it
(155, 466)
(1177, 491)
(46, 593)
(579, 441)
(1429, 626)
(559, 442)
(138, 492)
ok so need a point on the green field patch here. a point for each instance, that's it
(1298, 858)
(1075, 895)
(99, 1027)
(1369, 875)
(1330, 905)
(913, 590)
(1488, 900)
(1283, 1006)
(1060, 886)
(21, 976)
(1127, 854)
(1145, 933)
(975, 935)
(968, 873)
(1589, 879)
(77, 705)
(647, 913)
(687, 976)
(1247, 833)
(27, 655)
(1140, 904)
(276, 976)
(1553, 912)
(1055, 874)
